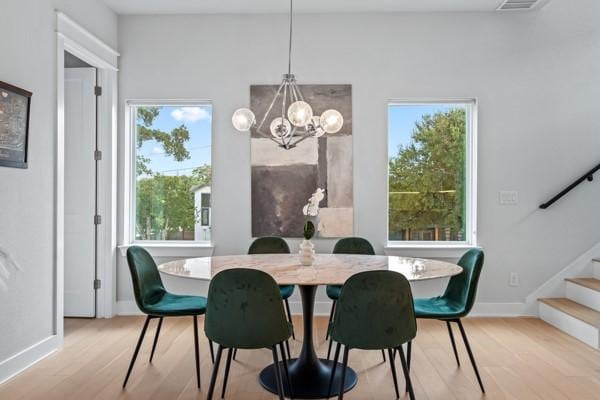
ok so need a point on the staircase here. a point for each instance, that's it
(577, 314)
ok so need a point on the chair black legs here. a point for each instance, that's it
(331, 344)
(453, 343)
(215, 372)
(329, 348)
(137, 349)
(392, 359)
(336, 357)
(160, 321)
(289, 313)
(330, 320)
(469, 351)
(393, 366)
(141, 339)
(197, 351)
(408, 356)
(278, 377)
(285, 367)
(212, 352)
(287, 346)
(230, 355)
(227, 366)
(464, 336)
(406, 371)
(343, 377)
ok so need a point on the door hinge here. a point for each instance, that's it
(98, 90)
(97, 155)
(97, 284)
(97, 219)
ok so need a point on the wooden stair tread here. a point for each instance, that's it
(590, 283)
(575, 310)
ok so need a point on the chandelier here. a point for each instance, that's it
(290, 118)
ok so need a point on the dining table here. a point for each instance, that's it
(309, 374)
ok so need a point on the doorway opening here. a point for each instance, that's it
(81, 166)
(86, 174)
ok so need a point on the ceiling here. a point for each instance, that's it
(302, 6)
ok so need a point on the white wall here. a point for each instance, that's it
(28, 60)
(535, 76)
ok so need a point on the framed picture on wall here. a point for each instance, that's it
(15, 104)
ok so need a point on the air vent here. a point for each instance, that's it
(520, 5)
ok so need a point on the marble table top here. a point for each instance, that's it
(328, 269)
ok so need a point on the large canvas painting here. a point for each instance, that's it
(14, 125)
(283, 180)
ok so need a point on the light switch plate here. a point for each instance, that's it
(508, 197)
(513, 279)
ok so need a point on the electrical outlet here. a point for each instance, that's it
(508, 197)
(514, 279)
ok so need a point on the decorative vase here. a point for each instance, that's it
(307, 252)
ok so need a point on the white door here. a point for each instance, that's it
(80, 192)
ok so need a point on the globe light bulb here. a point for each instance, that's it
(315, 126)
(300, 113)
(280, 127)
(332, 121)
(243, 119)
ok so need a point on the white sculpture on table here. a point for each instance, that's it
(311, 213)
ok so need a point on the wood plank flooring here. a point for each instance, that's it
(519, 358)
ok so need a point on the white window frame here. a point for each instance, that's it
(165, 248)
(442, 248)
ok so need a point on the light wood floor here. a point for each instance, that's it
(521, 358)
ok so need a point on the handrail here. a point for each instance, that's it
(587, 176)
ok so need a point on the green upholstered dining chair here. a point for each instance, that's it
(153, 300)
(245, 312)
(456, 303)
(275, 245)
(349, 245)
(375, 311)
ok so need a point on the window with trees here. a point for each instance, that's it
(431, 175)
(172, 171)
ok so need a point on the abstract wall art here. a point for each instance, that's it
(283, 180)
(14, 125)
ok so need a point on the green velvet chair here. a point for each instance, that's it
(245, 312)
(153, 300)
(456, 303)
(349, 245)
(275, 245)
(375, 311)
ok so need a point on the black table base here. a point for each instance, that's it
(309, 375)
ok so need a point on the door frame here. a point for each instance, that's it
(75, 39)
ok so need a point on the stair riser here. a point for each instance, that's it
(582, 295)
(586, 333)
(596, 265)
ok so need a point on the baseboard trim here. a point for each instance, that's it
(499, 310)
(323, 308)
(27, 357)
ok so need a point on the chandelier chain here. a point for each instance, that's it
(290, 45)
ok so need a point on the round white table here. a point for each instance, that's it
(309, 374)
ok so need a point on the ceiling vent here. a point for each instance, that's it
(521, 5)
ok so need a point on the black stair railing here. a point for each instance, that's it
(589, 176)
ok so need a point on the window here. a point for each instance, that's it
(171, 165)
(431, 174)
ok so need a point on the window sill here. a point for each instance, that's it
(427, 250)
(180, 250)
